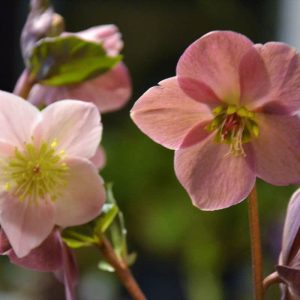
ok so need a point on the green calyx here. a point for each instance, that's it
(234, 126)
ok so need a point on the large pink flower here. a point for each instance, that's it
(46, 175)
(230, 115)
(109, 91)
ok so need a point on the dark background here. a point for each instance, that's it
(184, 253)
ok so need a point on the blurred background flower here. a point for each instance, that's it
(184, 254)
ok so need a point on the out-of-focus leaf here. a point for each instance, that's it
(108, 214)
(104, 266)
(131, 258)
(69, 60)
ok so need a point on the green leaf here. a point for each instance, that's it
(75, 244)
(105, 266)
(118, 230)
(108, 214)
(69, 60)
(80, 236)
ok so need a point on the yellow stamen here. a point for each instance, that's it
(36, 173)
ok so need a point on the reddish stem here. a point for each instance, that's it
(121, 269)
(255, 245)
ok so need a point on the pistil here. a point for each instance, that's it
(233, 126)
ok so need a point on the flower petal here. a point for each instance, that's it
(254, 79)
(17, 119)
(45, 95)
(25, 224)
(74, 125)
(213, 178)
(283, 65)
(4, 243)
(291, 228)
(166, 113)
(109, 91)
(83, 197)
(277, 149)
(292, 278)
(214, 60)
(99, 159)
(45, 258)
(69, 271)
(108, 35)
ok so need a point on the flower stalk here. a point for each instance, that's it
(121, 269)
(255, 245)
(270, 280)
(24, 85)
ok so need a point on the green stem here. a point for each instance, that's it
(255, 245)
(121, 269)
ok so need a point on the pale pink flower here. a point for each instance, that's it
(109, 91)
(46, 176)
(99, 158)
(230, 115)
(52, 255)
(289, 262)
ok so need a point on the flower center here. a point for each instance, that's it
(38, 172)
(233, 126)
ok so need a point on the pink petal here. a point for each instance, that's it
(74, 125)
(25, 224)
(45, 95)
(214, 60)
(108, 35)
(17, 119)
(45, 258)
(199, 91)
(108, 92)
(83, 197)
(283, 65)
(4, 243)
(166, 113)
(69, 273)
(292, 278)
(213, 178)
(291, 227)
(99, 159)
(277, 149)
(254, 79)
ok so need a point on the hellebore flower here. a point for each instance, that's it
(230, 115)
(45, 172)
(109, 91)
(51, 256)
(288, 269)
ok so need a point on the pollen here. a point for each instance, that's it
(36, 173)
(234, 126)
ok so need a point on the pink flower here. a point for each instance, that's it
(51, 256)
(99, 158)
(289, 261)
(109, 91)
(46, 177)
(230, 115)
